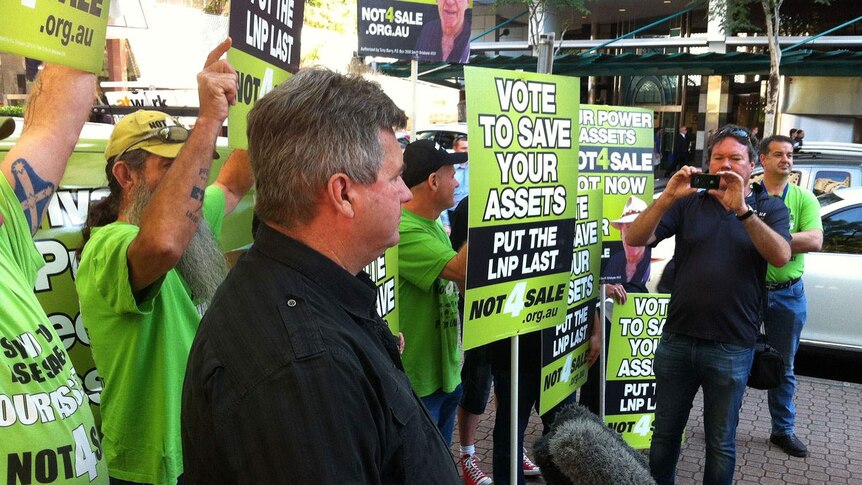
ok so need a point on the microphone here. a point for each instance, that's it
(580, 449)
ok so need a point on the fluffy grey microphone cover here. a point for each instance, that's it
(587, 452)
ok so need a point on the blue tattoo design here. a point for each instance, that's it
(33, 192)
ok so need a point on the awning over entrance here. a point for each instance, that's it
(796, 63)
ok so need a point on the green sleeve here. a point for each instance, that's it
(213, 209)
(809, 212)
(421, 257)
(107, 266)
(16, 242)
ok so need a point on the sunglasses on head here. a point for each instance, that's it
(168, 134)
(737, 132)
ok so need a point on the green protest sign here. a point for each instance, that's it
(69, 33)
(384, 273)
(615, 156)
(565, 347)
(255, 79)
(630, 386)
(265, 50)
(522, 210)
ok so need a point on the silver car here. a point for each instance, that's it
(444, 135)
(822, 174)
(833, 276)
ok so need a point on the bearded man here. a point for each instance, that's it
(148, 268)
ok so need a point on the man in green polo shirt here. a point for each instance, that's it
(149, 265)
(787, 308)
(431, 273)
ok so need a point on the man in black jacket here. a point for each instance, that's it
(293, 377)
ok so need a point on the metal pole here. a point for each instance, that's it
(544, 66)
(500, 25)
(414, 82)
(633, 32)
(821, 34)
(545, 54)
(602, 357)
(514, 452)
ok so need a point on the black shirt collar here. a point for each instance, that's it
(357, 294)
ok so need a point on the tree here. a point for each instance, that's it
(538, 9)
(736, 16)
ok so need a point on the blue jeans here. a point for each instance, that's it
(784, 320)
(441, 406)
(683, 365)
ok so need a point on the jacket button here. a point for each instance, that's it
(291, 303)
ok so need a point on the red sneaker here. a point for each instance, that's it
(530, 468)
(473, 475)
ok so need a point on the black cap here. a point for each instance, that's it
(424, 157)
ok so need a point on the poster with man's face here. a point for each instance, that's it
(426, 30)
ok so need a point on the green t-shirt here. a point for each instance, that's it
(428, 306)
(140, 350)
(804, 215)
(47, 433)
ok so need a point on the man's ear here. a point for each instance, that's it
(433, 181)
(341, 193)
(124, 174)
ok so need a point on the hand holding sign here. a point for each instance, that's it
(217, 84)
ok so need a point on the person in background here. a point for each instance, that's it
(293, 376)
(462, 175)
(431, 274)
(151, 261)
(34, 365)
(657, 147)
(476, 379)
(725, 238)
(754, 138)
(679, 156)
(787, 306)
(797, 141)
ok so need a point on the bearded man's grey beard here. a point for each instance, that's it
(202, 265)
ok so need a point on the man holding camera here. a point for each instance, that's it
(725, 238)
(787, 309)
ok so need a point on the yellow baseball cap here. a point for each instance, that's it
(139, 131)
(7, 127)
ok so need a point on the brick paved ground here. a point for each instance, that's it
(829, 420)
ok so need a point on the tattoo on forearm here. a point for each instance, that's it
(204, 173)
(33, 192)
(192, 217)
(197, 194)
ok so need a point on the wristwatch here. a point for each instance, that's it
(745, 215)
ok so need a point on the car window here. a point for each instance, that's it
(793, 178)
(829, 198)
(842, 231)
(826, 181)
(446, 138)
(425, 135)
